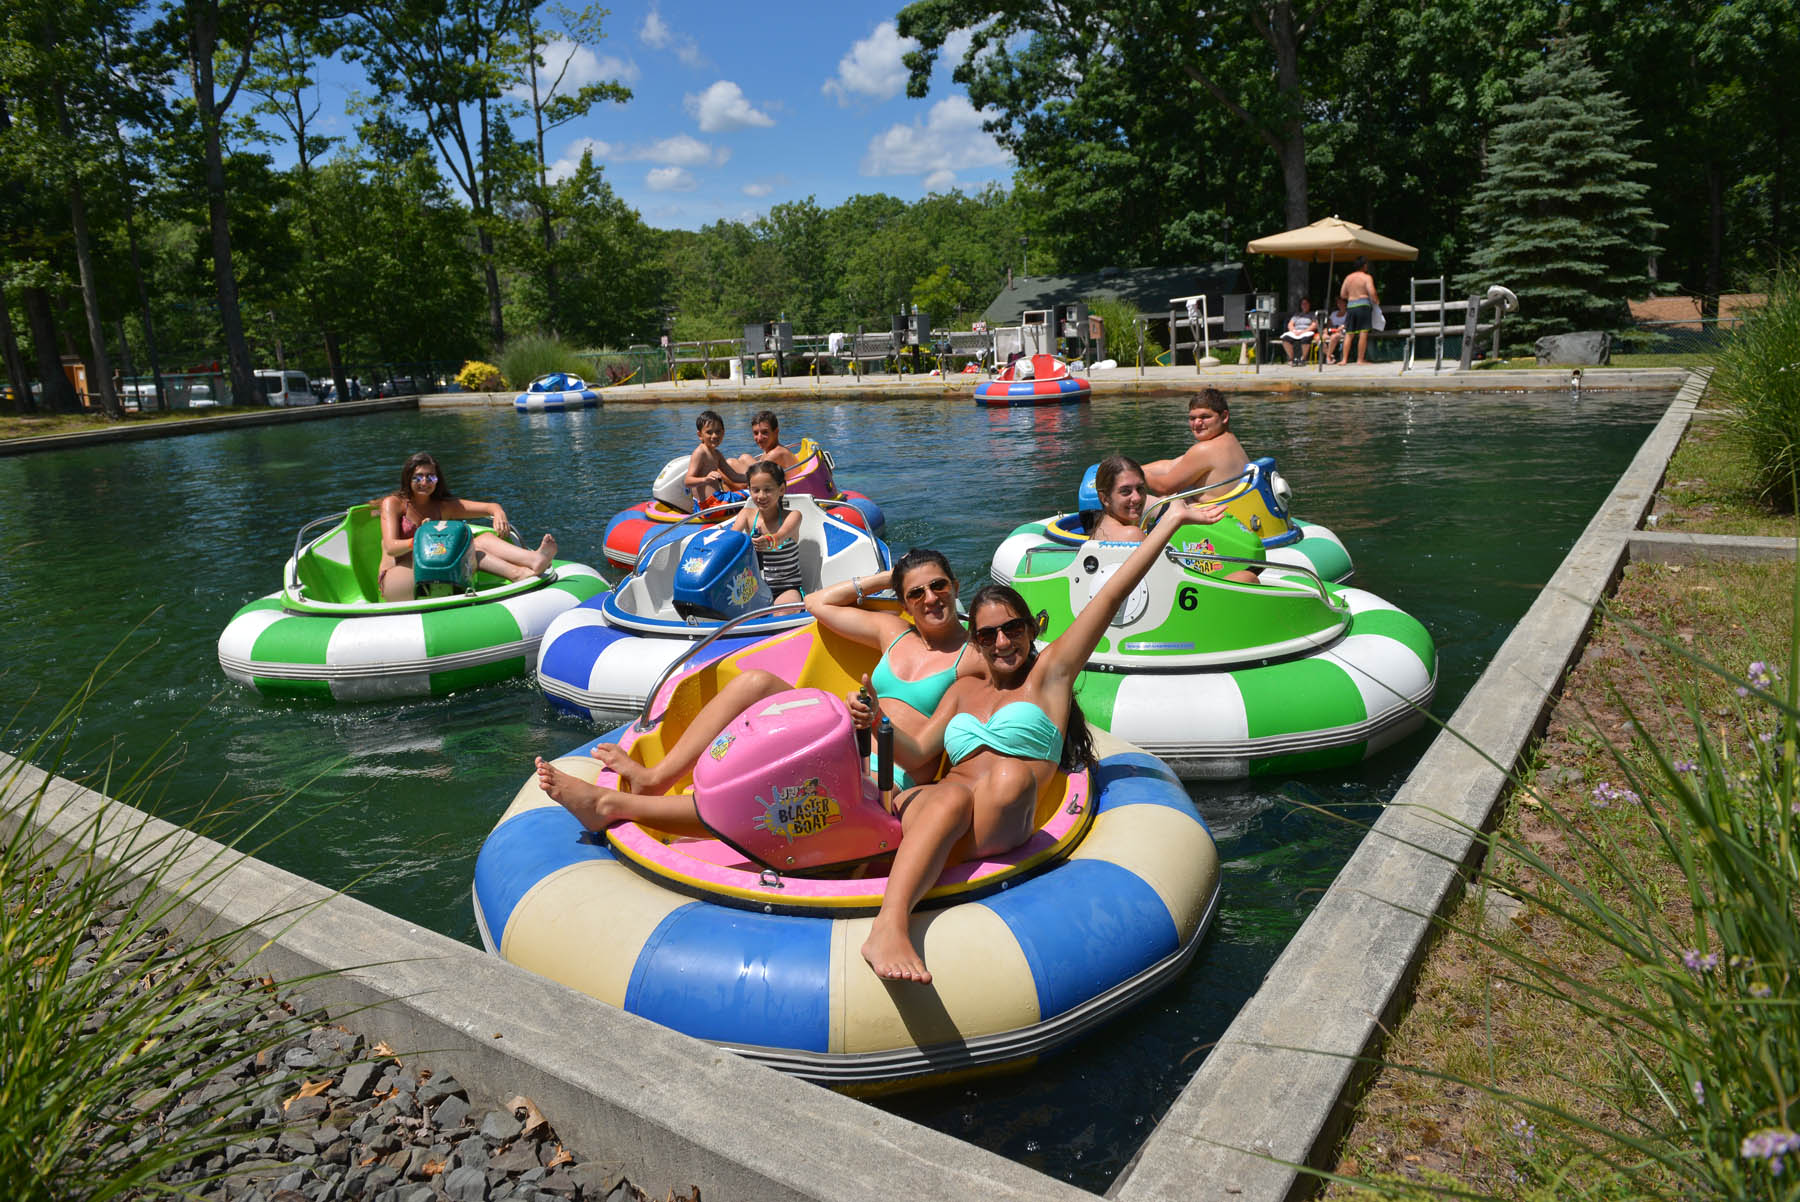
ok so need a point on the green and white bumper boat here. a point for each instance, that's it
(1224, 679)
(328, 634)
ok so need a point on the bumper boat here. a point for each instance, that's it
(1037, 380)
(631, 531)
(1224, 679)
(328, 634)
(746, 942)
(554, 392)
(696, 583)
(1258, 498)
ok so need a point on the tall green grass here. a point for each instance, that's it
(1758, 375)
(1121, 331)
(109, 1021)
(533, 355)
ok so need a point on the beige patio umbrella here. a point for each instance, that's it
(1328, 240)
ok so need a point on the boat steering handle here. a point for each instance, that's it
(644, 720)
(1244, 480)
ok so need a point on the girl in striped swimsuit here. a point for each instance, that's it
(774, 530)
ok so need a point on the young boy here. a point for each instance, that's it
(1216, 455)
(765, 428)
(707, 471)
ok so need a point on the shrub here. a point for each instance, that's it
(477, 376)
(534, 355)
(688, 371)
(1121, 331)
(1758, 375)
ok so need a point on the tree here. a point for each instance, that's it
(1562, 200)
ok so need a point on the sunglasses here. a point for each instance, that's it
(939, 587)
(424, 477)
(1015, 629)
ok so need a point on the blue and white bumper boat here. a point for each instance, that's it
(555, 392)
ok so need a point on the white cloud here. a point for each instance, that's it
(682, 150)
(578, 66)
(948, 139)
(758, 188)
(872, 70)
(941, 180)
(565, 166)
(723, 107)
(656, 34)
(670, 179)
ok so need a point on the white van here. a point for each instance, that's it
(285, 388)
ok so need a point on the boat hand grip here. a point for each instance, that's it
(884, 756)
(863, 733)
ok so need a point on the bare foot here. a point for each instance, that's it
(616, 759)
(545, 553)
(893, 957)
(585, 801)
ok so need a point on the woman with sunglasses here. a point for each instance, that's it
(424, 496)
(1006, 733)
(921, 658)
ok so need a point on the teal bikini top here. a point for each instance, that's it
(922, 694)
(1018, 728)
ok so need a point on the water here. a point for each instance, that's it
(1457, 507)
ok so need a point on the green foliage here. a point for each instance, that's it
(1758, 375)
(1562, 203)
(533, 355)
(1121, 331)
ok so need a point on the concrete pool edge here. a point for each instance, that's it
(676, 1112)
(1275, 1087)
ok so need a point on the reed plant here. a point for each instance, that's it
(533, 355)
(1758, 375)
(131, 1057)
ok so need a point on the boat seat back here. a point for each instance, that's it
(671, 488)
(342, 565)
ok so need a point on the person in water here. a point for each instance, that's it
(1215, 457)
(765, 429)
(774, 531)
(424, 496)
(1005, 734)
(1123, 495)
(925, 649)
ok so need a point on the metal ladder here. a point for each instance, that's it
(1412, 332)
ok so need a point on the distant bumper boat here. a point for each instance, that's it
(1038, 380)
(604, 656)
(554, 392)
(1107, 902)
(1224, 679)
(632, 532)
(328, 634)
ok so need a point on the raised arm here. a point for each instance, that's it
(1069, 651)
(838, 609)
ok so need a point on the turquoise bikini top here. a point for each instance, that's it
(922, 694)
(1018, 728)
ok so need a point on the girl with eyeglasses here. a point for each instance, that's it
(1006, 733)
(924, 652)
(424, 496)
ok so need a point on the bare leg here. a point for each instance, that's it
(738, 695)
(1005, 804)
(397, 585)
(934, 819)
(597, 808)
(514, 562)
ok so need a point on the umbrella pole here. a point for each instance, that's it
(1330, 275)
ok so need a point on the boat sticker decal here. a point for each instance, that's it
(798, 811)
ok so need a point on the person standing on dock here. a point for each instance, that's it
(1215, 457)
(1360, 300)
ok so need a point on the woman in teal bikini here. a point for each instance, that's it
(924, 651)
(1006, 734)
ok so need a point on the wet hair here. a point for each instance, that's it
(769, 468)
(708, 418)
(414, 462)
(918, 557)
(1107, 474)
(1078, 740)
(767, 417)
(1209, 398)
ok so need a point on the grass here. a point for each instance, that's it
(38, 425)
(1684, 361)
(534, 355)
(1759, 378)
(1706, 489)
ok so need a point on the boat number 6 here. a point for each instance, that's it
(1188, 597)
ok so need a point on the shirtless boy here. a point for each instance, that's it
(765, 428)
(707, 471)
(1216, 455)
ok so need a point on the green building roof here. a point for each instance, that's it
(1147, 289)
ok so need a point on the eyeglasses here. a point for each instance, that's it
(940, 587)
(424, 477)
(1015, 629)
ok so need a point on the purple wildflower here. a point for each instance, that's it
(1686, 766)
(1605, 793)
(1770, 1144)
(1699, 1093)
(1525, 1131)
(1697, 963)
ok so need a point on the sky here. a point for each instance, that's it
(735, 109)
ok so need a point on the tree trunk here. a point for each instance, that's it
(334, 362)
(543, 173)
(15, 366)
(84, 260)
(484, 210)
(1715, 241)
(203, 37)
(59, 395)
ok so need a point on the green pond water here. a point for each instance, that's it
(1456, 507)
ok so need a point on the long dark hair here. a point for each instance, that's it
(1106, 475)
(916, 557)
(769, 468)
(414, 462)
(1078, 740)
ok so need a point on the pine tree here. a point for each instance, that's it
(1560, 209)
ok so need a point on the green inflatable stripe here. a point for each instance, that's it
(1323, 759)
(1299, 695)
(297, 640)
(470, 628)
(1098, 693)
(477, 674)
(317, 690)
(1403, 629)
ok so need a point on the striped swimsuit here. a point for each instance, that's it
(780, 564)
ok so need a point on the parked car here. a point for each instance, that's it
(285, 388)
(200, 396)
(398, 386)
